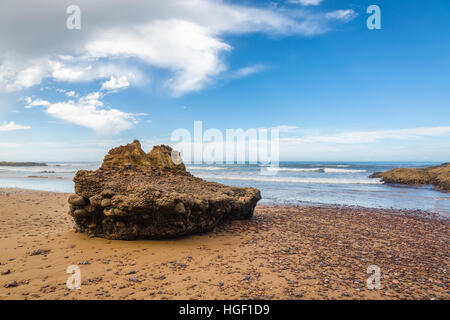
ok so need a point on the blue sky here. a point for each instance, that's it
(342, 91)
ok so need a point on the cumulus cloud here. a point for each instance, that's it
(16, 75)
(184, 38)
(92, 99)
(12, 126)
(115, 83)
(103, 121)
(36, 103)
(187, 49)
(87, 112)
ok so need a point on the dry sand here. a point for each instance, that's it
(282, 253)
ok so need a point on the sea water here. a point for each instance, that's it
(342, 183)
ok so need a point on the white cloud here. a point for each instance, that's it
(92, 99)
(306, 2)
(343, 15)
(187, 49)
(103, 121)
(115, 83)
(72, 94)
(85, 69)
(87, 112)
(16, 76)
(363, 137)
(62, 73)
(36, 103)
(183, 38)
(12, 126)
(246, 71)
(285, 128)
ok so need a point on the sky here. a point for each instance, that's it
(142, 69)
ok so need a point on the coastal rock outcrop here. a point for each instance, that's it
(135, 195)
(438, 176)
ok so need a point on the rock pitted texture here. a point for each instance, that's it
(438, 176)
(135, 195)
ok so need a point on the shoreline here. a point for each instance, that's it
(283, 252)
(318, 183)
(300, 204)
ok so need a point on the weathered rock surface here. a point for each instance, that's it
(438, 176)
(129, 155)
(135, 195)
(159, 158)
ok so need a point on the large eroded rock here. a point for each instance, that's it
(135, 195)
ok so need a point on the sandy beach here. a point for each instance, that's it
(283, 252)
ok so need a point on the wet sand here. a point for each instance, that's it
(284, 252)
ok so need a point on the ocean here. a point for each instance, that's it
(341, 183)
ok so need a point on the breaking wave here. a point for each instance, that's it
(326, 170)
(205, 168)
(335, 170)
(293, 179)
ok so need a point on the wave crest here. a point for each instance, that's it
(294, 179)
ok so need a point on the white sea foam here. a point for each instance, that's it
(37, 169)
(293, 179)
(294, 169)
(335, 170)
(206, 168)
(76, 164)
(326, 170)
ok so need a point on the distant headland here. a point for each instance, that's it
(22, 164)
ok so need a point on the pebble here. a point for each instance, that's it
(39, 251)
(7, 271)
(11, 284)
